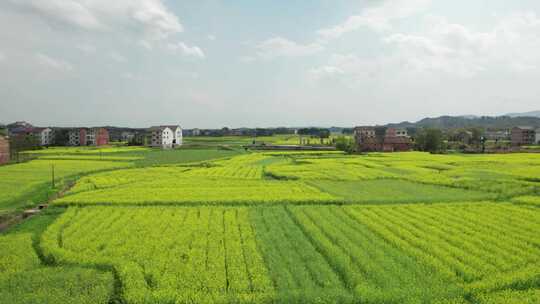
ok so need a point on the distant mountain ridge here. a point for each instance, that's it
(525, 114)
(469, 121)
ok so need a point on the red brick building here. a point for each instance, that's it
(89, 137)
(101, 136)
(523, 136)
(370, 139)
(4, 150)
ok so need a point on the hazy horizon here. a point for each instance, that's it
(212, 63)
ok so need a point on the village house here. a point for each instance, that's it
(4, 150)
(537, 136)
(365, 139)
(165, 136)
(45, 136)
(497, 135)
(97, 137)
(390, 139)
(77, 137)
(88, 137)
(36, 136)
(523, 136)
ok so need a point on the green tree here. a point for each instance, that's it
(343, 143)
(429, 140)
(477, 136)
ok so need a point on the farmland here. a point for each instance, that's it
(224, 226)
(28, 183)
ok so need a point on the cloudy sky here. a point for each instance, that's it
(210, 63)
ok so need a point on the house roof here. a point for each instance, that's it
(172, 127)
(524, 127)
(20, 130)
(154, 128)
(157, 128)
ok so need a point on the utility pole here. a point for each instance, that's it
(52, 173)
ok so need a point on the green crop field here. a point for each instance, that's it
(25, 184)
(229, 226)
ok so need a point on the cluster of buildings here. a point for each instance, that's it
(25, 131)
(164, 136)
(22, 136)
(382, 139)
(371, 139)
(239, 131)
(522, 136)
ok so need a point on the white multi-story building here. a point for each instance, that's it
(75, 137)
(44, 135)
(537, 140)
(165, 136)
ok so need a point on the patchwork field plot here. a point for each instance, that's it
(197, 190)
(327, 169)
(280, 227)
(373, 269)
(28, 183)
(25, 279)
(390, 254)
(475, 245)
(166, 254)
(396, 191)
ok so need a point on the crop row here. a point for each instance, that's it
(242, 172)
(24, 279)
(30, 182)
(466, 244)
(375, 254)
(116, 188)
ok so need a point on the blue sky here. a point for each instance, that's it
(265, 63)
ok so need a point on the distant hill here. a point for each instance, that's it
(525, 114)
(457, 122)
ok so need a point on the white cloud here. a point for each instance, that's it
(352, 70)
(211, 37)
(53, 63)
(443, 48)
(323, 72)
(281, 47)
(186, 50)
(147, 17)
(117, 57)
(72, 12)
(377, 18)
(456, 49)
(87, 48)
